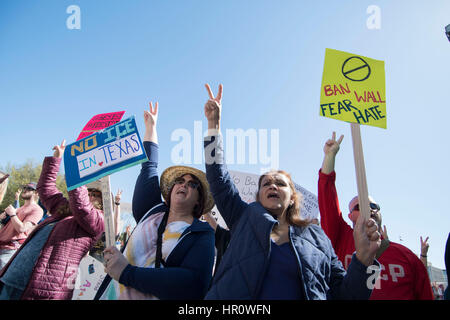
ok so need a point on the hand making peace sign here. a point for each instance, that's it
(213, 107)
(332, 146)
(150, 119)
(151, 116)
(59, 150)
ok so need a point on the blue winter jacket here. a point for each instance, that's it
(187, 270)
(241, 273)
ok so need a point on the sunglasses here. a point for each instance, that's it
(191, 183)
(27, 189)
(373, 206)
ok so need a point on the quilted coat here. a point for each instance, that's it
(75, 232)
(243, 267)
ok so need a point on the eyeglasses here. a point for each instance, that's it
(373, 206)
(191, 183)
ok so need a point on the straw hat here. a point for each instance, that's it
(171, 173)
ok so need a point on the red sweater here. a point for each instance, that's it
(403, 276)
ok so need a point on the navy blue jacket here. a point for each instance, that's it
(242, 271)
(188, 268)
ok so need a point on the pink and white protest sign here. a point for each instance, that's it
(100, 122)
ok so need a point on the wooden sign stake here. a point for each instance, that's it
(361, 181)
(108, 211)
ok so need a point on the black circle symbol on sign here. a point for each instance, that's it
(355, 66)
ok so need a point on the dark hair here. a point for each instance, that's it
(98, 205)
(200, 206)
(293, 211)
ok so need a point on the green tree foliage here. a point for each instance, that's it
(20, 175)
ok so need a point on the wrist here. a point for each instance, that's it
(117, 203)
(365, 260)
(12, 215)
(214, 124)
(423, 255)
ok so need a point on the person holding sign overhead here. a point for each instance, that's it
(273, 253)
(403, 276)
(46, 265)
(170, 253)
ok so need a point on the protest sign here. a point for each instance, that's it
(353, 89)
(102, 153)
(89, 278)
(100, 122)
(97, 156)
(247, 185)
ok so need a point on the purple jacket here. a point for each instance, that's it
(55, 271)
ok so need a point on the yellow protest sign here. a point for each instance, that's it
(353, 89)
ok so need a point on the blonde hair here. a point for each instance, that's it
(293, 216)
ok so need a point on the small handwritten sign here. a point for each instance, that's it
(353, 89)
(247, 185)
(100, 122)
(90, 276)
(115, 148)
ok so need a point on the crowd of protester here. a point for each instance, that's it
(178, 251)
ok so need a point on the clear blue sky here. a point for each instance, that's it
(269, 56)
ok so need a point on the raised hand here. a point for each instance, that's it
(59, 150)
(118, 196)
(330, 149)
(424, 245)
(151, 116)
(213, 107)
(332, 146)
(17, 194)
(150, 119)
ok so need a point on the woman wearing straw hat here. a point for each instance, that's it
(170, 253)
(273, 253)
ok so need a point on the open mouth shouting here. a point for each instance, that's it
(273, 195)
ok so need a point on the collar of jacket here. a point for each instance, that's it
(200, 226)
(196, 226)
(262, 223)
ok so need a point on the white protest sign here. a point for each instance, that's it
(90, 276)
(247, 185)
